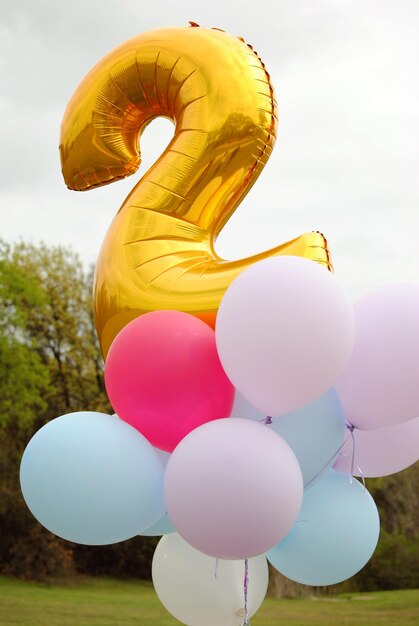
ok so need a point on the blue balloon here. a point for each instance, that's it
(315, 433)
(335, 535)
(92, 478)
(162, 527)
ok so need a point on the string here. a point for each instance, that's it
(361, 473)
(325, 466)
(216, 568)
(350, 427)
(268, 420)
(246, 621)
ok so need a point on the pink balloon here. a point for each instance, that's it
(380, 384)
(381, 451)
(233, 488)
(164, 377)
(285, 330)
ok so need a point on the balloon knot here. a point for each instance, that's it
(268, 420)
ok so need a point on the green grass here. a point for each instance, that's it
(100, 602)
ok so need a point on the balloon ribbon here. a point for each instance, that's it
(246, 621)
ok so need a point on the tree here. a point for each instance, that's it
(395, 563)
(50, 364)
(24, 378)
(63, 327)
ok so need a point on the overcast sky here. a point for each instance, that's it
(346, 161)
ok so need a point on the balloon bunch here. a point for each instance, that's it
(258, 482)
(227, 437)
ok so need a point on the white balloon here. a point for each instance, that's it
(198, 591)
(379, 386)
(285, 330)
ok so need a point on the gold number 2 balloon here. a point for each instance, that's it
(159, 251)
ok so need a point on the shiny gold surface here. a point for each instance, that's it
(159, 251)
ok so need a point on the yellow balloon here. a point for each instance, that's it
(159, 251)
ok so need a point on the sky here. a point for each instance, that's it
(346, 161)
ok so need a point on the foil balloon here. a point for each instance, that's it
(159, 251)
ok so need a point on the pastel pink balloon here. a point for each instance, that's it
(164, 377)
(233, 488)
(285, 330)
(381, 451)
(380, 384)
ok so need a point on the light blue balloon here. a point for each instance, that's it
(163, 456)
(242, 408)
(92, 478)
(163, 527)
(315, 433)
(335, 535)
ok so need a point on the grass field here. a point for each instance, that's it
(99, 602)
